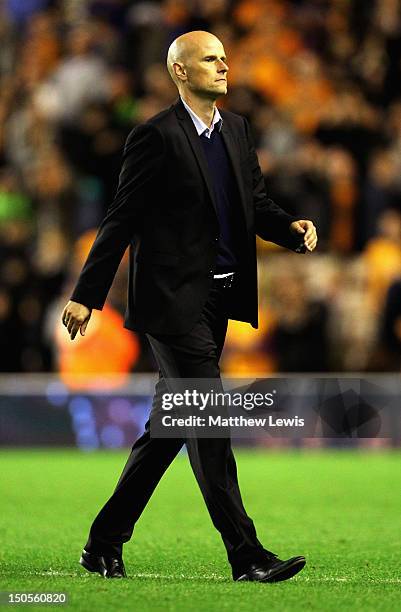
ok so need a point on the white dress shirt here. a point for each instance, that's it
(200, 125)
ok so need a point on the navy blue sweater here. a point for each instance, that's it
(227, 200)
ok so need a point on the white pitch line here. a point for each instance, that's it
(136, 575)
(179, 577)
(221, 578)
(334, 579)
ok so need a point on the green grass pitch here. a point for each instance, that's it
(341, 509)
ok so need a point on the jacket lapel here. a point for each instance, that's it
(233, 153)
(196, 145)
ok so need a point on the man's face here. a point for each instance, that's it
(206, 69)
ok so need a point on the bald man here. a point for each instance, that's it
(190, 200)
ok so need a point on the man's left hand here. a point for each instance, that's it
(303, 226)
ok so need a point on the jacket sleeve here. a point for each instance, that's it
(272, 223)
(142, 159)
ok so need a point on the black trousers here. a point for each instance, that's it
(192, 355)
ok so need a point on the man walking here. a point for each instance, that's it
(190, 200)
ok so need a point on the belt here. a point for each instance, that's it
(224, 281)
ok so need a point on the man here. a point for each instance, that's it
(190, 198)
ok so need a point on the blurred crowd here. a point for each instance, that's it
(319, 81)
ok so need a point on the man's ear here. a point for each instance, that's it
(180, 71)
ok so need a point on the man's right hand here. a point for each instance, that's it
(76, 317)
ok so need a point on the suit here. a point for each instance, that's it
(165, 210)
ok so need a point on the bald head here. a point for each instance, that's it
(187, 52)
(187, 46)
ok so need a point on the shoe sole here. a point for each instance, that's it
(279, 575)
(288, 572)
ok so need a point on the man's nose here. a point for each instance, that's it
(222, 67)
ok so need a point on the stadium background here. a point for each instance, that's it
(319, 80)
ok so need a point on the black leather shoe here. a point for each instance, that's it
(108, 567)
(273, 570)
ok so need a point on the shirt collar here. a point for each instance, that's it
(200, 126)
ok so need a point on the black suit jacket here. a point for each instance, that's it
(164, 210)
